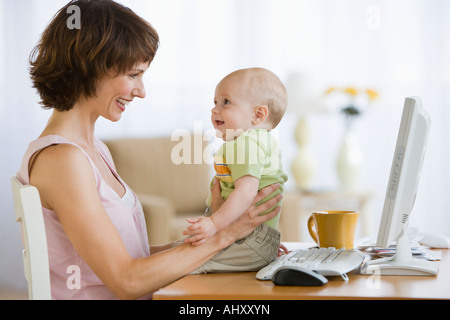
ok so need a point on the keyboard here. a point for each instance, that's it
(325, 261)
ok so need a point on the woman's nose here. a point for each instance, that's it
(139, 91)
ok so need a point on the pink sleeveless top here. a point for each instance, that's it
(70, 276)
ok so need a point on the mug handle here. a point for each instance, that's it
(311, 230)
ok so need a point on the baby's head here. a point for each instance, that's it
(248, 98)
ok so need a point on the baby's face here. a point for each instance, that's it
(233, 109)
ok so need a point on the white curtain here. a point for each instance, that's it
(398, 47)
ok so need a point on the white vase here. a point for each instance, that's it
(348, 162)
(303, 169)
(304, 165)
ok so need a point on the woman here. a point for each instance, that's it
(94, 222)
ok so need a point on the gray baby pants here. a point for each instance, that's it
(251, 253)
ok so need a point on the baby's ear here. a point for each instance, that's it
(260, 114)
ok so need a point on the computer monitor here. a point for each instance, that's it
(401, 193)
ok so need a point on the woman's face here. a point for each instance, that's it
(114, 93)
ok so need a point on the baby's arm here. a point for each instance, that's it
(240, 199)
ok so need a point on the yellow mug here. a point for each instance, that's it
(333, 228)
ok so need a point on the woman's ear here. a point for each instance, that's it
(260, 114)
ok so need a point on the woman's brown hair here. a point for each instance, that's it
(68, 62)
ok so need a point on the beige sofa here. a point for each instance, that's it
(170, 193)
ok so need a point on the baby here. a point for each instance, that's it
(248, 103)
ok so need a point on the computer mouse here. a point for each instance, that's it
(434, 240)
(297, 276)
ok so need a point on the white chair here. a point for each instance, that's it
(27, 205)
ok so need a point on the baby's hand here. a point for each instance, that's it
(201, 229)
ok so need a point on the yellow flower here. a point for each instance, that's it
(330, 90)
(351, 91)
(372, 94)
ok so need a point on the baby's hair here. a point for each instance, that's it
(267, 89)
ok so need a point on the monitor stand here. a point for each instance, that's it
(402, 263)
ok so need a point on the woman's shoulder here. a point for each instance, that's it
(58, 171)
(59, 159)
(61, 152)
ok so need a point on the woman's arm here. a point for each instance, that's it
(160, 248)
(67, 185)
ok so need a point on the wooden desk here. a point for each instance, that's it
(237, 286)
